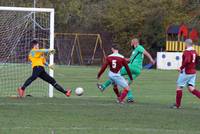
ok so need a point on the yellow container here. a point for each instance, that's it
(176, 46)
(180, 46)
(183, 46)
(173, 46)
(170, 46)
(167, 45)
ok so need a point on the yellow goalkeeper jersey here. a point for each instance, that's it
(36, 56)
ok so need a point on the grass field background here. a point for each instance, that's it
(98, 113)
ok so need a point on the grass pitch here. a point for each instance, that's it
(98, 113)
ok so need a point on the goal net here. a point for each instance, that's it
(79, 49)
(18, 27)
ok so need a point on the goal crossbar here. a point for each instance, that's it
(27, 9)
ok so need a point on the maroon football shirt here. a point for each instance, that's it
(115, 61)
(189, 61)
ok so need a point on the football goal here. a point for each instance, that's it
(18, 27)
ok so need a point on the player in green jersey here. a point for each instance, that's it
(135, 65)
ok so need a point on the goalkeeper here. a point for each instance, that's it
(37, 58)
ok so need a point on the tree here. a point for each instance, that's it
(121, 18)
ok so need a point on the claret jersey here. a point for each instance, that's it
(189, 61)
(115, 61)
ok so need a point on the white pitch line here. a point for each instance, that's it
(67, 104)
(85, 97)
(102, 128)
(81, 97)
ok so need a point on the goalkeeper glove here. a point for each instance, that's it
(51, 66)
(51, 51)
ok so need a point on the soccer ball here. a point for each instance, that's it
(79, 91)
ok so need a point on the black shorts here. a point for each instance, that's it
(39, 71)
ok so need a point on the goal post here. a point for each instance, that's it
(16, 32)
(51, 60)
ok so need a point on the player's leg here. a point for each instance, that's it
(103, 86)
(120, 81)
(179, 94)
(181, 83)
(46, 77)
(194, 91)
(130, 96)
(135, 73)
(115, 87)
(191, 86)
(124, 94)
(116, 90)
(35, 74)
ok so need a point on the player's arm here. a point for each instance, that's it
(127, 69)
(185, 60)
(33, 53)
(103, 68)
(30, 57)
(149, 56)
(45, 61)
(41, 50)
(44, 50)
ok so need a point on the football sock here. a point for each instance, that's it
(123, 94)
(23, 88)
(130, 95)
(115, 89)
(179, 94)
(106, 84)
(129, 81)
(59, 88)
(196, 93)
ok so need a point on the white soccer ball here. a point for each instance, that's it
(79, 91)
